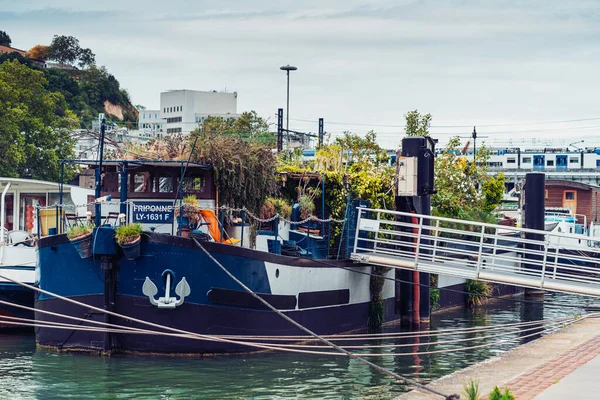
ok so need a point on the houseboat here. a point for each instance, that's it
(177, 281)
(20, 230)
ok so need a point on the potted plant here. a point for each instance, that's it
(129, 239)
(191, 212)
(80, 236)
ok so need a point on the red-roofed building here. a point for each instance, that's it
(6, 49)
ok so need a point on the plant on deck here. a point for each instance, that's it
(80, 230)
(126, 234)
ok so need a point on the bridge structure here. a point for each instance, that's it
(538, 259)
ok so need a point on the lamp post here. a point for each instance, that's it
(474, 144)
(287, 69)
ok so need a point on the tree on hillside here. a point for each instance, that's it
(36, 124)
(5, 39)
(417, 124)
(64, 49)
(86, 58)
(39, 52)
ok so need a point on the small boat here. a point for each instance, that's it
(19, 232)
(177, 281)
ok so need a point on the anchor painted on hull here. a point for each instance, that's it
(182, 290)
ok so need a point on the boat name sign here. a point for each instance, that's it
(148, 211)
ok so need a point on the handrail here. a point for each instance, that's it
(477, 250)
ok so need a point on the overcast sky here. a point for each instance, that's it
(361, 65)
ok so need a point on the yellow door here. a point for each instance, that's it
(570, 200)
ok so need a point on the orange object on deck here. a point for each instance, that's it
(213, 227)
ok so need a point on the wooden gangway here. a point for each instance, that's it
(556, 261)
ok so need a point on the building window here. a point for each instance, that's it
(550, 163)
(173, 120)
(155, 116)
(173, 130)
(569, 195)
(574, 160)
(511, 160)
(180, 108)
(526, 160)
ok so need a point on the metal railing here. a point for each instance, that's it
(475, 250)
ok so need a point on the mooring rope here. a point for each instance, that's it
(329, 343)
(402, 335)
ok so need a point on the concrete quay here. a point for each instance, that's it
(564, 364)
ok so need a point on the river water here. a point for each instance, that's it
(30, 373)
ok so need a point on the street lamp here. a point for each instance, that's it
(287, 69)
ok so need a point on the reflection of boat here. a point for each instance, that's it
(19, 233)
(175, 283)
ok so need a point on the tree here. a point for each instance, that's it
(5, 39)
(464, 189)
(64, 49)
(38, 52)
(86, 58)
(417, 124)
(357, 150)
(36, 124)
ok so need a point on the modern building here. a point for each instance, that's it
(185, 110)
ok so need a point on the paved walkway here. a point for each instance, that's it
(565, 364)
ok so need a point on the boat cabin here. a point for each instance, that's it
(581, 199)
(153, 189)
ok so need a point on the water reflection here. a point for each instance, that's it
(40, 374)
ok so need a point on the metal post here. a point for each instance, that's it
(287, 69)
(321, 132)
(482, 238)
(279, 129)
(243, 227)
(98, 206)
(60, 199)
(123, 194)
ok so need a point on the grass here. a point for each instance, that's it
(471, 390)
(80, 230)
(126, 234)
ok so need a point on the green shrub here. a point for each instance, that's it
(471, 390)
(79, 230)
(478, 291)
(126, 234)
(496, 394)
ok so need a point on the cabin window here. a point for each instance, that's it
(194, 184)
(550, 163)
(165, 184)
(526, 160)
(574, 160)
(511, 160)
(569, 195)
(141, 182)
(546, 194)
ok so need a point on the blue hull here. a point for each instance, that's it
(216, 305)
(15, 294)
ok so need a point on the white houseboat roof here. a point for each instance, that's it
(31, 183)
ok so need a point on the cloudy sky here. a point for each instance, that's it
(508, 67)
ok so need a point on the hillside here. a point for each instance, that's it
(88, 91)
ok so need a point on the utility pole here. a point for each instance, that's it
(287, 69)
(474, 145)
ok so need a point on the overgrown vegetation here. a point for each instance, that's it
(478, 292)
(127, 234)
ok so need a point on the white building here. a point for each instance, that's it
(185, 110)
